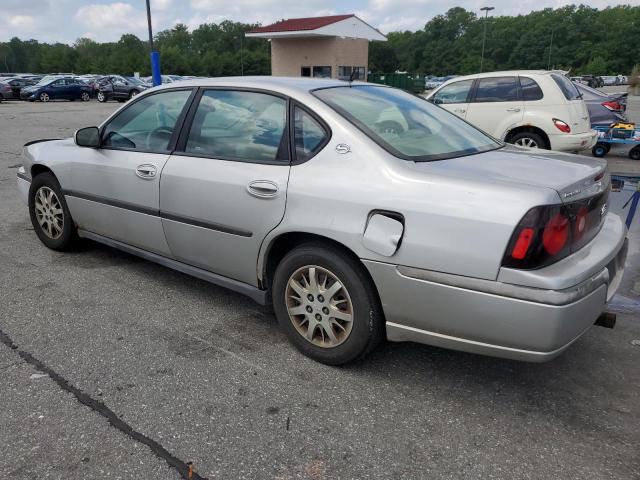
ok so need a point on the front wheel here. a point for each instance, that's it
(44, 97)
(85, 97)
(133, 93)
(102, 97)
(327, 304)
(49, 213)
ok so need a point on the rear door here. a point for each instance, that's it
(496, 105)
(454, 97)
(225, 187)
(577, 109)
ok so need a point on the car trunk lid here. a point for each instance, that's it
(573, 177)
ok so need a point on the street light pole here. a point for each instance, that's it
(155, 56)
(550, 47)
(486, 11)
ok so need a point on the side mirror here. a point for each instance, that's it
(87, 137)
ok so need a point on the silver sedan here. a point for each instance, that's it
(360, 212)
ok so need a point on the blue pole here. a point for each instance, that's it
(632, 208)
(155, 68)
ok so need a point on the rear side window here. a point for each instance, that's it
(569, 90)
(456, 92)
(530, 89)
(309, 135)
(498, 89)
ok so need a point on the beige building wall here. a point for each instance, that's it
(289, 55)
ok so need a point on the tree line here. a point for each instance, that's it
(581, 39)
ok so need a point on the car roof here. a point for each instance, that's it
(279, 84)
(509, 73)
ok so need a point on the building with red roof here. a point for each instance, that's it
(334, 46)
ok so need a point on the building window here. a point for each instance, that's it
(322, 72)
(344, 73)
(305, 72)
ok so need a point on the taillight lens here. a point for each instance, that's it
(612, 105)
(562, 126)
(555, 233)
(549, 233)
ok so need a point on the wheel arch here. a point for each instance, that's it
(39, 168)
(530, 129)
(282, 244)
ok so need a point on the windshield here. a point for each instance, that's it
(406, 126)
(47, 79)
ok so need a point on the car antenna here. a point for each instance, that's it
(353, 73)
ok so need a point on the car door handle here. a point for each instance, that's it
(513, 109)
(262, 189)
(146, 171)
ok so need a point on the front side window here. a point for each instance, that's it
(148, 124)
(238, 125)
(453, 93)
(530, 89)
(405, 125)
(499, 89)
(309, 135)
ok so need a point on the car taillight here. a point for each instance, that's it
(562, 126)
(549, 233)
(612, 105)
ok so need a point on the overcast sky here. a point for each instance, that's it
(106, 20)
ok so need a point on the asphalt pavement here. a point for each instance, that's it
(113, 367)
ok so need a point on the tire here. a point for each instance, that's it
(355, 298)
(634, 153)
(44, 97)
(133, 93)
(85, 97)
(101, 97)
(528, 139)
(61, 233)
(600, 150)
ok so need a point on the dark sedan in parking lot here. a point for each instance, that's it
(119, 88)
(604, 109)
(15, 85)
(53, 88)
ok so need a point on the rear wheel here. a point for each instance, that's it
(44, 97)
(85, 97)
(49, 213)
(634, 153)
(326, 304)
(600, 150)
(133, 93)
(528, 139)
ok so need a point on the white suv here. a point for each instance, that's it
(530, 108)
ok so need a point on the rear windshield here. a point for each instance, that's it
(406, 126)
(568, 88)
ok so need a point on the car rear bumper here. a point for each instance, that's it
(567, 142)
(491, 317)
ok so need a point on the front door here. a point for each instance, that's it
(226, 189)
(454, 97)
(115, 188)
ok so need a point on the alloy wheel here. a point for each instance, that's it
(85, 97)
(526, 142)
(49, 212)
(44, 97)
(100, 97)
(319, 306)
